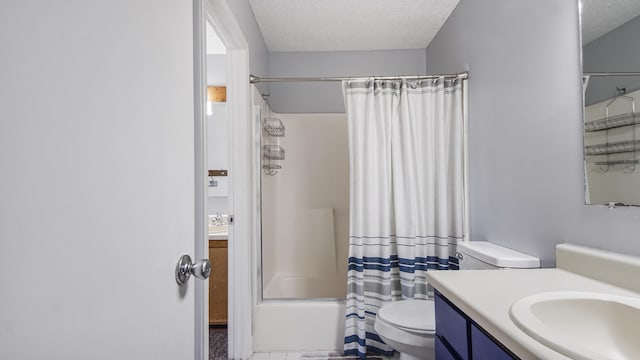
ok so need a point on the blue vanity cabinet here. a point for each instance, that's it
(451, 329)
(485, 348)
(459, 337)
(442, 353)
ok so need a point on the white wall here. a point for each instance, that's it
(216, 70)
(302, 202)
(217, 136)
(97, 159)
(218, 157)
(326, 97)
(525, 133)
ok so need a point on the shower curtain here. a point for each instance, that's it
(406, 195)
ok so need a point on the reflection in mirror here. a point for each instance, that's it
(611, 64)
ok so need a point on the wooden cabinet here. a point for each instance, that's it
(218, 282)
(459, 337)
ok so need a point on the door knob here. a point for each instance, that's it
(185, 268)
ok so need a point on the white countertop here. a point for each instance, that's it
(219, 232)
(486, 296)
(219, 236)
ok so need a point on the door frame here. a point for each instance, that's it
(201, 293)
(241, 193)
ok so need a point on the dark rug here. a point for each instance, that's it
(335, 356)
(218, 343)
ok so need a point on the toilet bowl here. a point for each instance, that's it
(408, 326)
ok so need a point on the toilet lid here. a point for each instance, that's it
(411, 315)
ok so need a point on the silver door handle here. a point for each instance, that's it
(185, 268)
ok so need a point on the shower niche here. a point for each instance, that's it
(304, 205)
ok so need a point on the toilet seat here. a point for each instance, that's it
(415, 316)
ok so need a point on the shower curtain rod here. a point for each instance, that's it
(255, 79)
(612, 74)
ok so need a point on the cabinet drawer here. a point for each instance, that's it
(451, 326)
(484, 348)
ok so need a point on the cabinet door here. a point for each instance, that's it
(218, 282)
(484, 348)
(451, 326)
(442, 353)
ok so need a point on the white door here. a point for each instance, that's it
(96, 179)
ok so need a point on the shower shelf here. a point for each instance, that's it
(617, 162)
(613, 148)
(613, 122)
(274, 127)
(273, 152)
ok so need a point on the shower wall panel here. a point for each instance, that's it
(305, 210)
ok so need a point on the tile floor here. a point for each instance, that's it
(306, 356)
(218, 343)
(276, 356)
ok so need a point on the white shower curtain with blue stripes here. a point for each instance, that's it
(406, 195)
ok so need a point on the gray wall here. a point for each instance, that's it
(525, 114)
(618, 50)
(258, 54)
(316, 97)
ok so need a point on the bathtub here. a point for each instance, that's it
(299, 325)
(291, 320)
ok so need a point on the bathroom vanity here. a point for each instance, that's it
(459, 337)
(218, 229)
(218, 282)
(475, 317)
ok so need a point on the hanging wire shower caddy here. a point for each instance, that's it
(272, 152)
(613, 122)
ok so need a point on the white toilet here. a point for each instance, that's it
(408, 326)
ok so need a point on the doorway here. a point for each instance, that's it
(240, 191)
(217, 197)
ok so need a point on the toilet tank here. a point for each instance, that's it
(486, 255)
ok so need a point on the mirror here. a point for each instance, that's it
(611, 64)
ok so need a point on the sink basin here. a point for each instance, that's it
(219, 229)
(581, 325)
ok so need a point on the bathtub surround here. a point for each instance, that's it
(406, 204)
(305, 210)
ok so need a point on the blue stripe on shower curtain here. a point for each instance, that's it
(406, 196)
(406, 265)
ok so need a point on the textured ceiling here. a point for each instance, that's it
(601, 16)
(334, 25)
